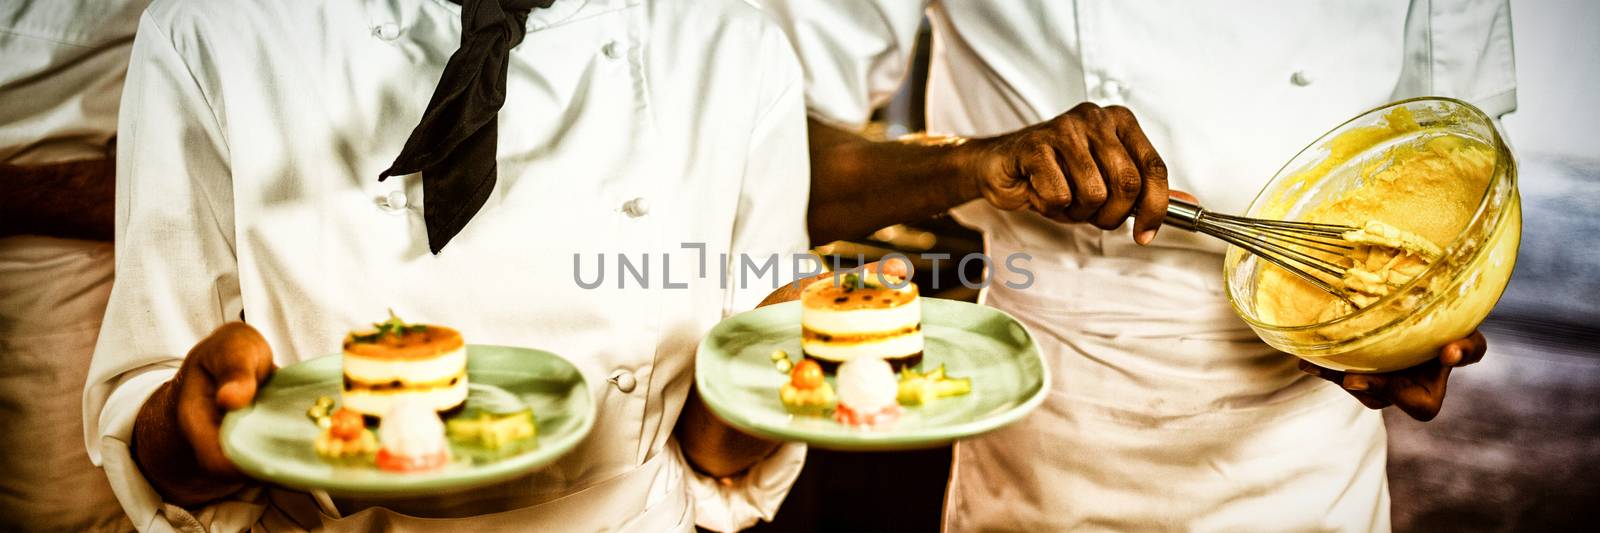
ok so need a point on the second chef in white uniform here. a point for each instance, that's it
(1167, 413)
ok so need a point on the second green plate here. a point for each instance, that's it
(738, 381)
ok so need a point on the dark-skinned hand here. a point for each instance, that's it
(176, 433)
(1419, 390)
(1091, 164)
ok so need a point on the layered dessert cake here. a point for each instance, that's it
(862, 315)
(395, 360)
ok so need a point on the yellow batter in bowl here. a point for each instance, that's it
(1430, 187)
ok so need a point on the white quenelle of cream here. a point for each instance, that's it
(866, 384)
(412, 428)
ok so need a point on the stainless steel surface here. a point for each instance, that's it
(1297, 247)
(1183, 215)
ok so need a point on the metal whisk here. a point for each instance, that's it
(1293, 246)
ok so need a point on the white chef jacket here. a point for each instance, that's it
(252, 136)
(61, 69)
(1166, 412)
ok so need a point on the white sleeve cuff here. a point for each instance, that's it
(756, 495)
(125, 401)
(138, 498)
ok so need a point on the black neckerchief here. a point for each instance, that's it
(453, 146)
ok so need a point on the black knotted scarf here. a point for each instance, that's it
(453, 146)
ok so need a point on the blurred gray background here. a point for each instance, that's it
(1517, 447)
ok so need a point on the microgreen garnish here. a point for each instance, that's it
(393, 326)
(852, 281)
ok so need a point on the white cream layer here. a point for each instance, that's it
(373, 370)
(377, 404)
(886, 348)
(859, 321)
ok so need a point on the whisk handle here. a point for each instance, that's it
(1182, 215)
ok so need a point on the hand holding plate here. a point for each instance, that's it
(175, 435)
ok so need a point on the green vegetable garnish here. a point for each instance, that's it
(917, 388)
(393, 326)
(491, 431)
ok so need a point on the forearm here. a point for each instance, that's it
(73, 199)
(712, 446)
(165, 457)
(859, 186)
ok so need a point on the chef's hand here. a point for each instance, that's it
(175, 437)
(719, 450)
(1091, 164)
(1419, 390)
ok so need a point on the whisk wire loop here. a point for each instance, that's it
(1297, 247)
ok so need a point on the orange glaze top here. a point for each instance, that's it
(423, 344)
(845, 296)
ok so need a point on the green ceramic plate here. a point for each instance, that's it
(737, 379)
(271, 440)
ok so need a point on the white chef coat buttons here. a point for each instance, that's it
(387, 31)
(611, 50)
(623, 380)
(636, 207)
(1111, 89)
(1300, 78)
(394, 202)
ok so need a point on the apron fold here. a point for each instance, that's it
(1166, 413)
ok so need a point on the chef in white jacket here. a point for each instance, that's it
(61, 69)
(252, 139)
(1166, 413)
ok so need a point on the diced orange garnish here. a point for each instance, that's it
(806, 375)
(347, 425)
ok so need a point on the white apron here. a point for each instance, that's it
(1157, 419)
(52, 295)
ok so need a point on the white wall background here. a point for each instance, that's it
(1558, 77)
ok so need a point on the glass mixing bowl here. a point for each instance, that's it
(1443, 303)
